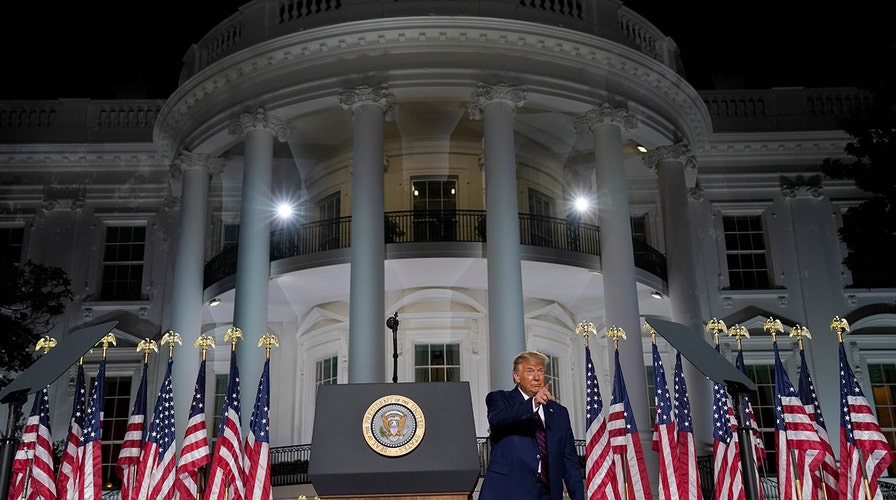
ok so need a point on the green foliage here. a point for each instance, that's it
(31, 296)
(869, 229)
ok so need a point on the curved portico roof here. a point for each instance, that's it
(296, 69)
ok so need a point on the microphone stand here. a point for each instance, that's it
(392, 324)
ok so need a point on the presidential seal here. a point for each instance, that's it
(393, 425)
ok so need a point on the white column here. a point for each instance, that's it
(195, 171)
(253, 265)
(496, 106)
(676, 168)
(617, 254)
(367, 318)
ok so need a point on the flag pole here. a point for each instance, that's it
(203, 342)
(773, 327)
(616, 332)
(840, 325)
(799, 332)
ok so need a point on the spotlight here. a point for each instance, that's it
(641, 149)
(215, 301)
(655, 294)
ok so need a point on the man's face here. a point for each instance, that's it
(530, 377)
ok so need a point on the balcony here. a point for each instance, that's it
(435, 226)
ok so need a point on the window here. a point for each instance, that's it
(540, 208)
(325, 372)
(434, 201)
(746, 253)
(11, 240)
(231, 235)
(437, 363)
(552, 375)
(639, 228)
(762, 401)
(329, 210)
(882, 377)
(116, 411)
(123, 263)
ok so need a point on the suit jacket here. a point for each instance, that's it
(513, 463)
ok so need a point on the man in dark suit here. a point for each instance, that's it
(530, 460)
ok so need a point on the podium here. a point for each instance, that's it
(399, 441)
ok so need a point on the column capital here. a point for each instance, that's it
(379, 95)
(603, 114)
(678, 152)
(260, 120)
(486, 94)
(188, 160)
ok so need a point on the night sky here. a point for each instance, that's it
(104, 49)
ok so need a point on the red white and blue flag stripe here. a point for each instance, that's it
(90, 467)
(194, 454)
(258, 446)
(129, 456)
(825, 482)
(226, 471)
(157, 471)
(664, 432)
(68, 466)
(600, 473)
(625, 442)
(686, 448)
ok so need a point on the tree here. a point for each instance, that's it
(31, 296)
(869, 229)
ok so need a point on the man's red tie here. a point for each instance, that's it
(542, 441)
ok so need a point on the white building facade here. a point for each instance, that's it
(432, 152)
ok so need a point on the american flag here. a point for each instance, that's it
(129, 456)
(258, 446)
(664, 433)
(156, 473)
(688, 474)
(66, 480)
(797, 446)
(43, 485)
(861, 442)
(89, 472)
(194, 454)
(226, 472)
(600, 475)
(827, 477)
(725, 448)
(34, 467)
(625, 441)
(21, 464)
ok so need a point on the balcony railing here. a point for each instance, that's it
(429, 226)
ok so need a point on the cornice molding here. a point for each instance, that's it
(648, 80)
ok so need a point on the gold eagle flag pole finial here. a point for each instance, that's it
(108, 339)
(204, 342)
(773, 326)
(46, 343)
(839, 325)
(585, 328)
(739, 332)
(616, 332)
(233, 335)
(648, 328)
(799, 332)
(147, 345)
(171, 337)
(715, 326)
(267, 340)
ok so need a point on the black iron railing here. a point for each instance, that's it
(424, 226)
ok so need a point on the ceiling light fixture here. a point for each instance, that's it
(655, 294)
(215, 301)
